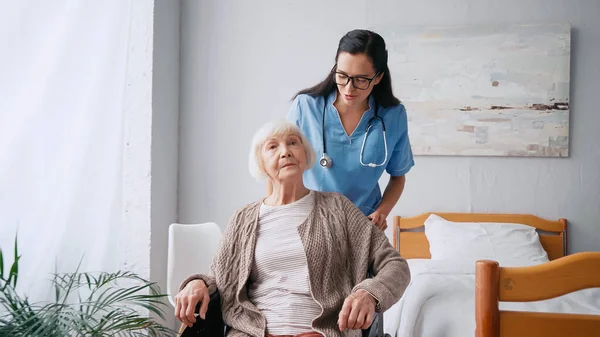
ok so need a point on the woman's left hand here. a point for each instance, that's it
(357, 312)
(379, 219)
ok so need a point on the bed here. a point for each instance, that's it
(442, 250)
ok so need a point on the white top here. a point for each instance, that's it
(279, 284)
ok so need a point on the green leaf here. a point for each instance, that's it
(1, 265)
(16, 262)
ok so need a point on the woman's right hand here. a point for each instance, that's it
(187, 299)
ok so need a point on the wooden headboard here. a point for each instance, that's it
(411, 242)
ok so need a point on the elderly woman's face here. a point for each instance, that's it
(284, 157)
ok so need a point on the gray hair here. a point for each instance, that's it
(267, 131)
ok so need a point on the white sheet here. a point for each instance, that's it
(440, 301)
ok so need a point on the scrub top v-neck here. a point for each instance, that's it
(347, 176)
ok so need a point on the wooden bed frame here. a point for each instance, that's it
(535, 283)
(562, 275)
(410, 240)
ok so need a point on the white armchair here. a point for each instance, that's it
(191, 250)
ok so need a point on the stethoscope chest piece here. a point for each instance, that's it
(325, 161)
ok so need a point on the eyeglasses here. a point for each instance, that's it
(359, 82)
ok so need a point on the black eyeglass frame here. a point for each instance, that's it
(351, 78)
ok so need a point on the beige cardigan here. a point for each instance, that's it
(340, 244)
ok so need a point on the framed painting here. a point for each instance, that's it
(483, 90)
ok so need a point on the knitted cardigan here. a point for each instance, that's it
(341, 246)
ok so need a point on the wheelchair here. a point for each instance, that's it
(213, 325)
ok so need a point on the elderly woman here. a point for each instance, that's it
(296, 262)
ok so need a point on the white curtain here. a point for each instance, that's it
(62, 82)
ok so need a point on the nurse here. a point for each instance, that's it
(357, 127)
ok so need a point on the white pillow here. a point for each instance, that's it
(483, 240)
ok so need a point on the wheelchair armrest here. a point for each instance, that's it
(213, 306)
(376, 328)
(212, 326)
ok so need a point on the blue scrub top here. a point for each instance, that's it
(347, 176)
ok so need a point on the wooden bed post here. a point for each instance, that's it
(486, 299)
(396, 233)
(564, 236)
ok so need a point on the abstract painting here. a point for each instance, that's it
(483, 90)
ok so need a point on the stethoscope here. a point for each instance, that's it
(326, 161)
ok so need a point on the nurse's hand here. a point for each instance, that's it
(379, 219)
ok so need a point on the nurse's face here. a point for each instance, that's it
(284, 157)
(360, 68)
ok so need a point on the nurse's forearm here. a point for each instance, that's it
(392, 194)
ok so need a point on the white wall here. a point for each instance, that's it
(165, 137)
(241, 63)
(137, 114)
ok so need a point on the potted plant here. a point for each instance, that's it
(85, 304)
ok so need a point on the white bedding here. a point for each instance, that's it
(440, 301)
